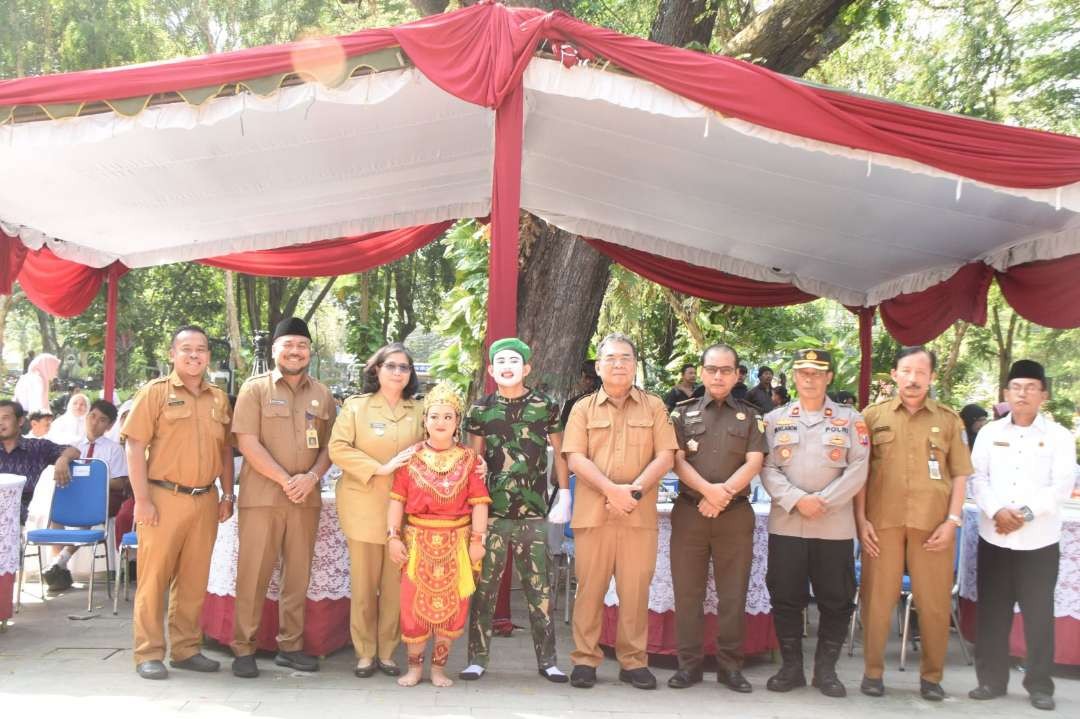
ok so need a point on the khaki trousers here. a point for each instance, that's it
(174, 557)
(628, 554)
(267, 533)
(728, 540)
(375, 614)
(931, 583)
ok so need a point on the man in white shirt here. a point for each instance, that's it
(1025, 467)
(95, 445)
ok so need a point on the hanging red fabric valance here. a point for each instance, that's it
(343, 256)
(58, 286)
(1045, 292)
(921, 316)
(712, 285)
(66, 288)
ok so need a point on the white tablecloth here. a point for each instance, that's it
(11, 487)
(1067, 592)
(329, 568)
(661, 591)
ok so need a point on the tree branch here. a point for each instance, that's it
(792, 36)
(318, 299)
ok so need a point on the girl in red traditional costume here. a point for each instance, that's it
(442, 495)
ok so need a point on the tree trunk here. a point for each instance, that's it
(560, 290)
(684, 22)
(430, 7)
(47, 328)
(319, 298)
(232, 322)
(792, 36)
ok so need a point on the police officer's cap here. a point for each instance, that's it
(812, 359)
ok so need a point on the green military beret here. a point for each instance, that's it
(509, 343)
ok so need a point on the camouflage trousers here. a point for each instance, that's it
(529, 540)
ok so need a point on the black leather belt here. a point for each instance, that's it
(736, 500)
(179, 488)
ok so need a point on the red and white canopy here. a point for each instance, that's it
(664, 156)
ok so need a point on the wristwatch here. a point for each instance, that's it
(229, 498)
(1028, 514)
(955, 519)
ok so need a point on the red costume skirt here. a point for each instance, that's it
(437, 580)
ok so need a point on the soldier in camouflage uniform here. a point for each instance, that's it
(511, 428)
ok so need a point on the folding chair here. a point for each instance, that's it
(83, 502)
(909, 598)
(128, 543)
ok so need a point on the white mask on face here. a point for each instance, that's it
(508, 368)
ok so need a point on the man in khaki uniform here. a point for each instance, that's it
(817, 463)
(907, 516)
(721, 448)
(177, 445)
(619, 442)
(282, 425)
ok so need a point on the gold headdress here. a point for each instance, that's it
(444, 393)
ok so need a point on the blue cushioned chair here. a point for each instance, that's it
(83, 502)
(128, 543)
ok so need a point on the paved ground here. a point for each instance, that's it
(51, 665)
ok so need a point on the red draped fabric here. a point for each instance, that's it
(1045, 292)
(708, 284)
(58, 286)
(921, 316)
(12, 255)
(342, 256)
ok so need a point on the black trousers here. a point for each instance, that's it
(796, 563)
(1008, 576)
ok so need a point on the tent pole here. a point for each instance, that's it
(866, 352)
(113, 292)
(505, 214)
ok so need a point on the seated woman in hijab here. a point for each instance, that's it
(70, 427)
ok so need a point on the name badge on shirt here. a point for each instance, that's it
(176, 402)
(278, 401)
(1001, 444)
(312, 436)
(935, 469)
(379, 428)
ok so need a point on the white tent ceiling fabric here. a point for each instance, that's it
(308, 163)
(605, 155)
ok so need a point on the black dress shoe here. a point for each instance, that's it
(297, 660)
(583, 677)
(931, 691)
(196, 663)
(365, 672)
(872, 687)
(245, 667)
(1042, 700)
(640, 678)
(153, 669)
(982, 693)
(734, 680)
(684, 678)
(388, 667)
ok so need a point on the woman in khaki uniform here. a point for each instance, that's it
(375, 434)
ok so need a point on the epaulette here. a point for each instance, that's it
(754, 409)
(362, 395)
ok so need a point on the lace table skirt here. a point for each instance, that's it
(329, 568)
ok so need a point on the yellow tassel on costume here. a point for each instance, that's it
(466, 585)
(414, 557)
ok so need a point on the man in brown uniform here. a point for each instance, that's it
(721, 448)
(282, 425)
(177, 445)
(619, 442)
(907, 515)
